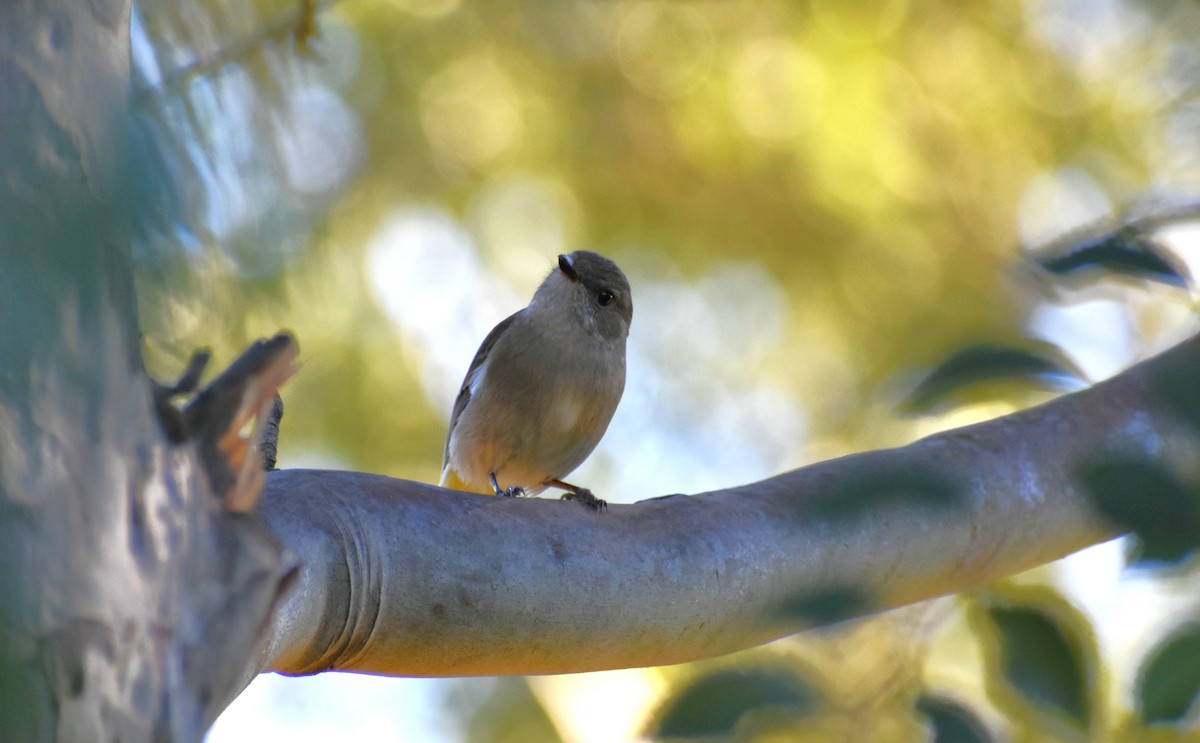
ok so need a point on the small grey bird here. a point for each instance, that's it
(543, 386)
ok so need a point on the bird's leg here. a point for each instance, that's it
(582, 495)
(509, 492)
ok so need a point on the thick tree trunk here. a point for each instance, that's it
(130, 597)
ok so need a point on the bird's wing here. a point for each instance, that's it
(464, 393)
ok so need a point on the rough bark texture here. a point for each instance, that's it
(131, 598)
(402, 578)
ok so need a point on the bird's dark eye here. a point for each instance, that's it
(605, 298)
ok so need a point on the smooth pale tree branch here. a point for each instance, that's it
(406, 579)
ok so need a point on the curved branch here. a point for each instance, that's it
(406, 579)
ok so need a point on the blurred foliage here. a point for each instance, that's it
(951, 721)
(1161, 510)
(990, 365)
(813, 201)
(1122, 251)
(1169, 682)
(734, 701)
(872, 157)
(506, 713)
(1042, 661)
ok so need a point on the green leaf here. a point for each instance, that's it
(991, 363)
(1124, 252)
(886, 484)
(1169, 679)
(717, 703)
(1043, 661)
(1148, 500)
(951, 721)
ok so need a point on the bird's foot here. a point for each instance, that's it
(585, 496)
(512, 491)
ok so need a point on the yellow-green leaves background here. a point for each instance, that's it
(814, 201)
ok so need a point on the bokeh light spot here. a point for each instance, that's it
(319, 140)
(1058, 202)
(427, 8)
(777, 90)
(867, 20)
(522, 221)
(470, 112)
(665, 49)
(1051, 89)
(425, 275)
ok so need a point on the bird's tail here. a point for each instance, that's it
(451, 480)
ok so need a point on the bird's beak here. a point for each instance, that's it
(567, 266)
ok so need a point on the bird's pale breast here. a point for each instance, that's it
(537, 412)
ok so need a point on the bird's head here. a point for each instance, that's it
(594, 289)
